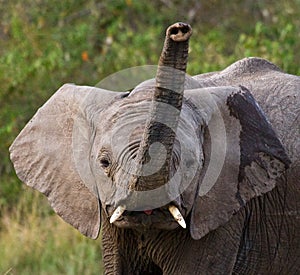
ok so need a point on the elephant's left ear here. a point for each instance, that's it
(51, 155)
(243, 156)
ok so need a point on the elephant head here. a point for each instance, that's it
(165, 153)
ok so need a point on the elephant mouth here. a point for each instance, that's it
(159, 218)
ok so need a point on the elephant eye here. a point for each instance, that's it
(104, 159)
(104, 162)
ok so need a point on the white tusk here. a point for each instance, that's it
(117, 213)
(177, 215)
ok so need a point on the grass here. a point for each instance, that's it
(33, 242)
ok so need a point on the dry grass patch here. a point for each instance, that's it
(34, 242)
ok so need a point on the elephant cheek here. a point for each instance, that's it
(188, 196)
(119, 189)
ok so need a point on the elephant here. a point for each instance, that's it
(184, 174)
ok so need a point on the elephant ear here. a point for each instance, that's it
(45, 157)
(243, 156)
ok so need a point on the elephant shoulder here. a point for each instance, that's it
(250, 65)
(238, 72)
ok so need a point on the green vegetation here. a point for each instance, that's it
(33, 241)
(47, 43)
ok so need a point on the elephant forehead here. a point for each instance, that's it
(121, 123)
(124, 114)
(128, 116)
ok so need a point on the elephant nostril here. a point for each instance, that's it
(174, 31)
(185, 29)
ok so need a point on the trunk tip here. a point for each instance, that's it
(179, 32)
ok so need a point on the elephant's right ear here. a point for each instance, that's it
(44, 156)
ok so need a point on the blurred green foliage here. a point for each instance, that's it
(47, 43)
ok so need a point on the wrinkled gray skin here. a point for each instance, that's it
(87, 148)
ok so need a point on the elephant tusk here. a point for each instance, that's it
(117, 213)
(177, 215)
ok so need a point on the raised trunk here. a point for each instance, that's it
(154, 155)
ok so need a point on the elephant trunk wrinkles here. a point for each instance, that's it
(165, 111)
